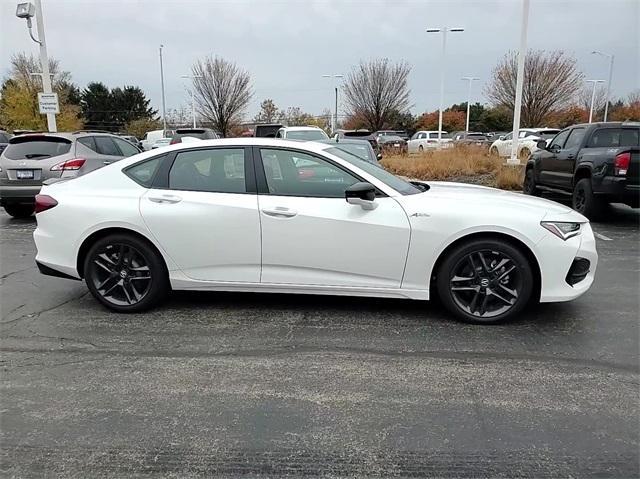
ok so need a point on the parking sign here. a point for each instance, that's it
(48, 103)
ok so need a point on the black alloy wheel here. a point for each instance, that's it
(529, 186)
(125, 274)
(485, 281)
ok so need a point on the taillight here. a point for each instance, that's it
(44, 203)
(74, 164)
(174, 141)
(621, 163)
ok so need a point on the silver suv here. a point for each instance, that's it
(32, 158)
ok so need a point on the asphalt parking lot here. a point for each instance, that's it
(265, 385)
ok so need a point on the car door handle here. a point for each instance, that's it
(280, 212)
(165, 199)
(107, 162)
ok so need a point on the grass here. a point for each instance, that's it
(467, 164)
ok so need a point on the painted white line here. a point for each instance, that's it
(602, 237)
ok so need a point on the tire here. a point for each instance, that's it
(420, 148)
(529, 186)
(112, 263)
(20, 210)
(585, 202)
(474, 287)
(493, 151)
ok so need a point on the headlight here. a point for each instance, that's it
(561, 229)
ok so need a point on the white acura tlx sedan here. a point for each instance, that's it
(266, 215)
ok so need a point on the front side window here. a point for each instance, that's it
(575, 138)
(106, 146)
(509, 136)
(615, 137)
(291, 173)
(559, 139)
(126, 148)
(218, 170)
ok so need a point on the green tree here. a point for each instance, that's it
(111, 110)
(268, 113)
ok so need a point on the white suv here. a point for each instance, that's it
(306, 133)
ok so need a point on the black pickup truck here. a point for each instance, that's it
(596, 163)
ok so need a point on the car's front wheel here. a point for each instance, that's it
(20, 210)
(125, 273)
(529, 186)
(493, 151)
(585, 202)
(485, 281)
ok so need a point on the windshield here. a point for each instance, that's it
(398, 184)
(308, 135)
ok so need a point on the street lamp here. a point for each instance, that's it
(444, 31)
(334, 118)
(193, 102)
(517, 104)
(27, 11)
(610, 56)
(164, 116)
(470, 80)
(593, 96)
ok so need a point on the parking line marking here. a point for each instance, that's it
(602, 237)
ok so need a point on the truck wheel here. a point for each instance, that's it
(20, 210)
(529, 186)
(585, 202)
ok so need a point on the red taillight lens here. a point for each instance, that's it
(74, 164)
(44, 203)
(174, 141)
(621, 163)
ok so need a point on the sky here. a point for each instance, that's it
(287, 45)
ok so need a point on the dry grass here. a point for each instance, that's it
(467, 164)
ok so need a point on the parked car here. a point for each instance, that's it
(200, 133)
(528, 139)
(160, 143)
(30, 159)
(401, 133)
(597, 163)
(267, 130)
(470, 138)
(392, 144)
(427, 139)
(306, 133)
(361, 135)
(4, 139)
(351, 228)
(358, 147)
(152, 136)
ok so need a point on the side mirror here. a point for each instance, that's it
(363, 194)
(501, 138)
(542, 144)
(379, 156)
(554, 148)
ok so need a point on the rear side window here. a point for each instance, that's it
(38, 148)
(4, 138)
(88, 142)
(615, 137)
(143, 172)
(106, 146)
(126, 148)
(216, 170)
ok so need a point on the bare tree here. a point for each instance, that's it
(376, 90)
(222, 92)
(551, 82)
(268, 113)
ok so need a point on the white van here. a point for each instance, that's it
(152, 136)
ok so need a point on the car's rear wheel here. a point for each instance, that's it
(485, 281)
(125, 273)
(585, 202)
(20, 210)
(420, 148)
(529, 186)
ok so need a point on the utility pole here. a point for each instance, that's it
(164, 115)
(470, 80)
(334, 117)
(593, 96)
(606, 104)
(513, 159)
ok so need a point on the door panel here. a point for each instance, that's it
(326, 241)
(557, 167)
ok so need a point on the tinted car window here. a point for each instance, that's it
(362, 151)
(37, 148)
(89, 142)
(575, 138)
(126, 148)
(291, 173)
(615, 137)
(219, 170)
(200, 133)
(559, 139)
(143, 172)
(4, 138)
(308, 135)
(106, 146)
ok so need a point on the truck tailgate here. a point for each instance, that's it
(633, 173)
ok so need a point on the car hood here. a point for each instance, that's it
(476, 196)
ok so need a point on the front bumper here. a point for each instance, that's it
(557, 259)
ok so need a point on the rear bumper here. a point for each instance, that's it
(18, 194)
(48, 271)
(618, 189)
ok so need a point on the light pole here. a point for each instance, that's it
(164, 115)
(334, 117)
(444, 31)
(513, 158)
(606, 103)
(193, 102)
(593, 96)
(470, 80)
(27, 11)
